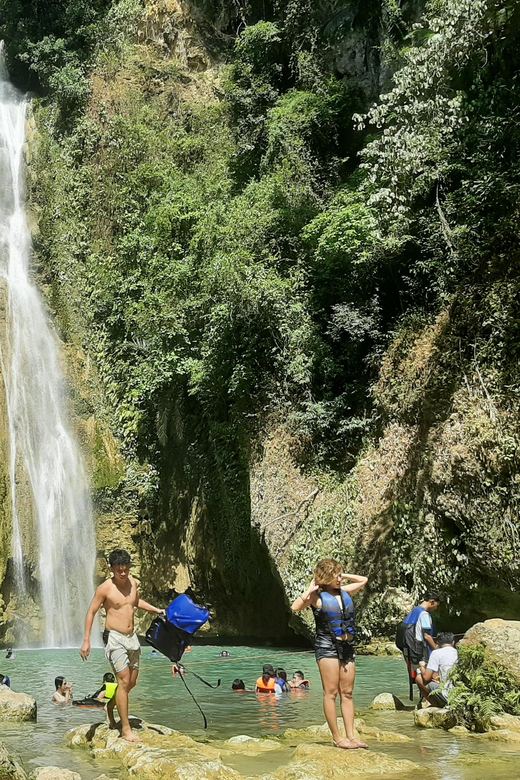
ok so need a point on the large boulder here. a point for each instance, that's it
(16, 706)
(9, 768)
(501, 639)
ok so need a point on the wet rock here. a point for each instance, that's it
(369, 733)
(317, 762)
(501, 735)
(385, 701)
(9, 768)
(435, 718)
(501, 639)
(163, 753)
(54, 773)
(510, 722)
(16, 706)
(250, 746)
(459, 731)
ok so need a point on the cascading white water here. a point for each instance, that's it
(41, 442)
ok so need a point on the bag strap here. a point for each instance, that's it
(195, 700)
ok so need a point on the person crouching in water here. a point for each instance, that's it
(333, 610)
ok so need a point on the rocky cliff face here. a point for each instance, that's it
(432, 498)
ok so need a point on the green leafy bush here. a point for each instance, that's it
(482, 688)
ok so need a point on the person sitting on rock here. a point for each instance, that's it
(432, 677)
(298, 681)
(63, 694)
(5, 682)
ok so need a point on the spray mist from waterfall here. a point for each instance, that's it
(42, 446)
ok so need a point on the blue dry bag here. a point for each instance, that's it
(186, 615)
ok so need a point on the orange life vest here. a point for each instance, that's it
(265, 687)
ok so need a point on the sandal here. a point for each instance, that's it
(348, 746)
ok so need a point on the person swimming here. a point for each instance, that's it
(280, 681)
(9, 654)
(225, 654)
(238, 685)
(178, 670)
(63, 694)
(298, 681)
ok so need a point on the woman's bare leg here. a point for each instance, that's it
(330, 673)
(347, 678)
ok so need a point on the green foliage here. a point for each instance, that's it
(231, 258)
(482, 688)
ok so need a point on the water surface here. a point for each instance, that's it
(159, 698)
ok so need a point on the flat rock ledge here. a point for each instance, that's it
(16, 706)
(165, 753)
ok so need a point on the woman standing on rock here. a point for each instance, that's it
(333, 611)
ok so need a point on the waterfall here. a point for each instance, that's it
(42, 446)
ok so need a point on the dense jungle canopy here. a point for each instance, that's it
(297, 216)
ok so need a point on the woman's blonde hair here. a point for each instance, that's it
(326, 571)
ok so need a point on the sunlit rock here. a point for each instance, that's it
(435, 718)
(251, 746)
(459, 731)
(16, 706)
(384, 701)
(163, 752)
(54, 773)
(510, 722)
(9, 768)
(501, 735)
(320, 762)
(501, 639)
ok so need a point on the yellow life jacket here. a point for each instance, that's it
(110, 690)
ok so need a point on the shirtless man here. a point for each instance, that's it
(119, 596)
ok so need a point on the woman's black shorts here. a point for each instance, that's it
(326, 648)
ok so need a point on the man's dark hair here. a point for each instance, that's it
(445, 638)
(432, 595)
(119, 558)
(300, 674)
(268, 671)
(108, 677)
(58, 682)
(238, 685)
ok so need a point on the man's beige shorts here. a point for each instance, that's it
(122, 651)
